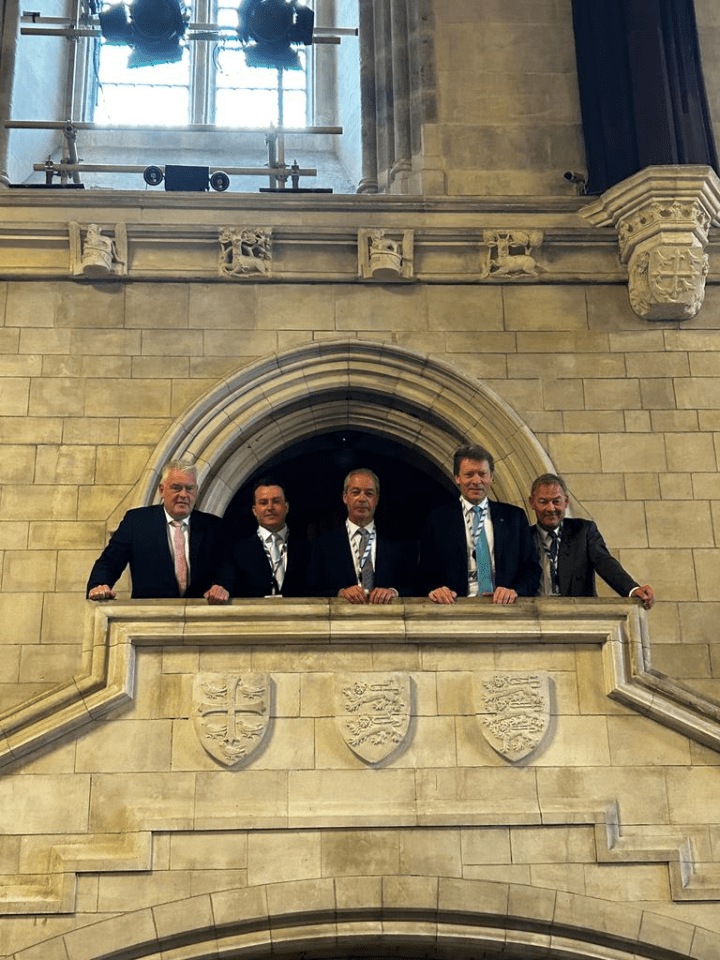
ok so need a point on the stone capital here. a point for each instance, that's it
(662, 215)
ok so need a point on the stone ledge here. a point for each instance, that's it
(115, 630)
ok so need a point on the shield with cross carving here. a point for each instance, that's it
(232, 714)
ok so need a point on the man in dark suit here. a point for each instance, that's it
(171, 548)
(573, 551)
(475, 546)
(355, 562)
(268, 563)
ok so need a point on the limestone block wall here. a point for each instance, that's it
(101, 379)
(95, 373)
(127, 831)
(508, 106)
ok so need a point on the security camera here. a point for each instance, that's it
(578, 179)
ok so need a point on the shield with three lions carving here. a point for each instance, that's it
(372, 711)
(515, 711)
(231, 713)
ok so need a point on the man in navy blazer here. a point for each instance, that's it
(448, 547)
(268, 563)
(573, 550)
(145, 539)
(338, 562)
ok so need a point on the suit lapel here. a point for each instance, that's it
(160, 540)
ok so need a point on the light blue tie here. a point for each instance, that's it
(482, 552)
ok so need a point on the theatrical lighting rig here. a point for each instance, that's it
(269, 28)
(153, 28)
(157, 31)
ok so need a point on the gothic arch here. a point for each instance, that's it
(439, 918)
(418, 401)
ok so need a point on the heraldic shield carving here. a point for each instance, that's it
(515, 711)
(231, 714)
(372, 711)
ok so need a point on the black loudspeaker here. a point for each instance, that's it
(186, 178)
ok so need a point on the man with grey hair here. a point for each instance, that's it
(171, 548)
(354, 561)
(572, 550)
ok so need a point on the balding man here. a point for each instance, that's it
(171, 548)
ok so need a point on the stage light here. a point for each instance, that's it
(153, 28)
(269, 28)
(220, 181)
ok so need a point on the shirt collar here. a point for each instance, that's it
(185, 522)
(468, 507)
(545, 534)
(266, 534)
(352, 528)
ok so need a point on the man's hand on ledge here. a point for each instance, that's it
(217, 594)
(502, 595)
(442, 595)
(644, 593)
(356, 594)
(103, 592)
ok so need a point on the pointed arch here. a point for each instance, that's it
(440, 918)
(418, 401)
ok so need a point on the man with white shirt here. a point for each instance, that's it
(268, 563)
(171, 548)
(572, 550)
(356, 562)
(475, 546)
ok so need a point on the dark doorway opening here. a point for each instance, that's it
(312, 473)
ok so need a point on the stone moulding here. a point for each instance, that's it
(662, 216)
(441, 916)
(115, 631)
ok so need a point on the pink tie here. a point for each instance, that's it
(180, 561)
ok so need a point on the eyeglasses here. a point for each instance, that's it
(557, 502)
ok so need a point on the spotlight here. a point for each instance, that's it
(220, 181)
(269, 28)
(153, 28)
(153, 176)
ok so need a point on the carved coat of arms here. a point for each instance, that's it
(231, 714)
(514, 711)
(372, 711)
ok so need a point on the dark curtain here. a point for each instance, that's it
(642, 93)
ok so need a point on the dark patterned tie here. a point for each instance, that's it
(367, 574)
(553, 557)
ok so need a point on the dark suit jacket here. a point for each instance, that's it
(582, 554)
(443, 550)
(332, 568)
(245, 570)
(141, 540)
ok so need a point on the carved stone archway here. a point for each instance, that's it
(440, 918)
(419, 402)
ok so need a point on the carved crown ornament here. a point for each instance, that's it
(662, 216)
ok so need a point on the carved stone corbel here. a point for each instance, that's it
(95, 255)
(385, 254)
(662, 216)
